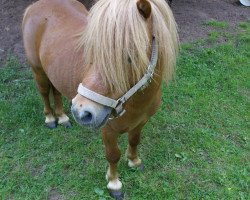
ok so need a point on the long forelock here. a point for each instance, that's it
(116, 41)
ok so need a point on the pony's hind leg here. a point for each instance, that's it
(131, 153)
(63, 119)
(44, 87)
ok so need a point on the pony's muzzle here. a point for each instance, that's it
(86, 117)
(90, 114)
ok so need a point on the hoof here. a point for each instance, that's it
(51, 125)
(67, 124)
(116, 194)
(142, 167)
(134, 163)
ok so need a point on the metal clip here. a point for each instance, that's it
(116, 115)
(121, 113)
(119, 109)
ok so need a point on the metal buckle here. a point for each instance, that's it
(118, 111)
(121, 113)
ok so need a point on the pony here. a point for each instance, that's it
(109, 62)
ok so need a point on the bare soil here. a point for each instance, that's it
(190, 16)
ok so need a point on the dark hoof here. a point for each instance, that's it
(142, 167)
(51, 125)
(67, 124)
(116, 194)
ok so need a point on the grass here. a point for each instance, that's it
(213, 36)
(216, 24)
(195, 147)
(218, 32)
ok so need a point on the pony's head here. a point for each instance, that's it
(117, 47)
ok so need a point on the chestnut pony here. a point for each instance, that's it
(94, 58)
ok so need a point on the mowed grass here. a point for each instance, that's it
(195, 147)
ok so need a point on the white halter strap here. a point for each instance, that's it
(117, 105)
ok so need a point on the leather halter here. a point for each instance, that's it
(117, 105)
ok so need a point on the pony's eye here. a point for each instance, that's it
(129, 60)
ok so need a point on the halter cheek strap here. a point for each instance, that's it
(117, 105)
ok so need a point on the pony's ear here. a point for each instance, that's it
(144, 8)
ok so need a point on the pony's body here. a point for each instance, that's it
(55, 28)
(50, 29)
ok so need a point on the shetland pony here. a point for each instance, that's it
(107, 51)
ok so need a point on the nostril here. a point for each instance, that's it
(86, 117)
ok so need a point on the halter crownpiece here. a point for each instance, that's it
(117, 105)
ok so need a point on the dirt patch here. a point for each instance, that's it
(10, 27)
(54, 195)
(190, 16)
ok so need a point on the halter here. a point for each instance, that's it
(117, 105)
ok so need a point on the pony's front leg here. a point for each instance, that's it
(131, 153)
(113, 155)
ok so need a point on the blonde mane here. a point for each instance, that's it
(116, 41)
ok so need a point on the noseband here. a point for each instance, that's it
(117, 105)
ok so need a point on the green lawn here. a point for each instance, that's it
(195, 147)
